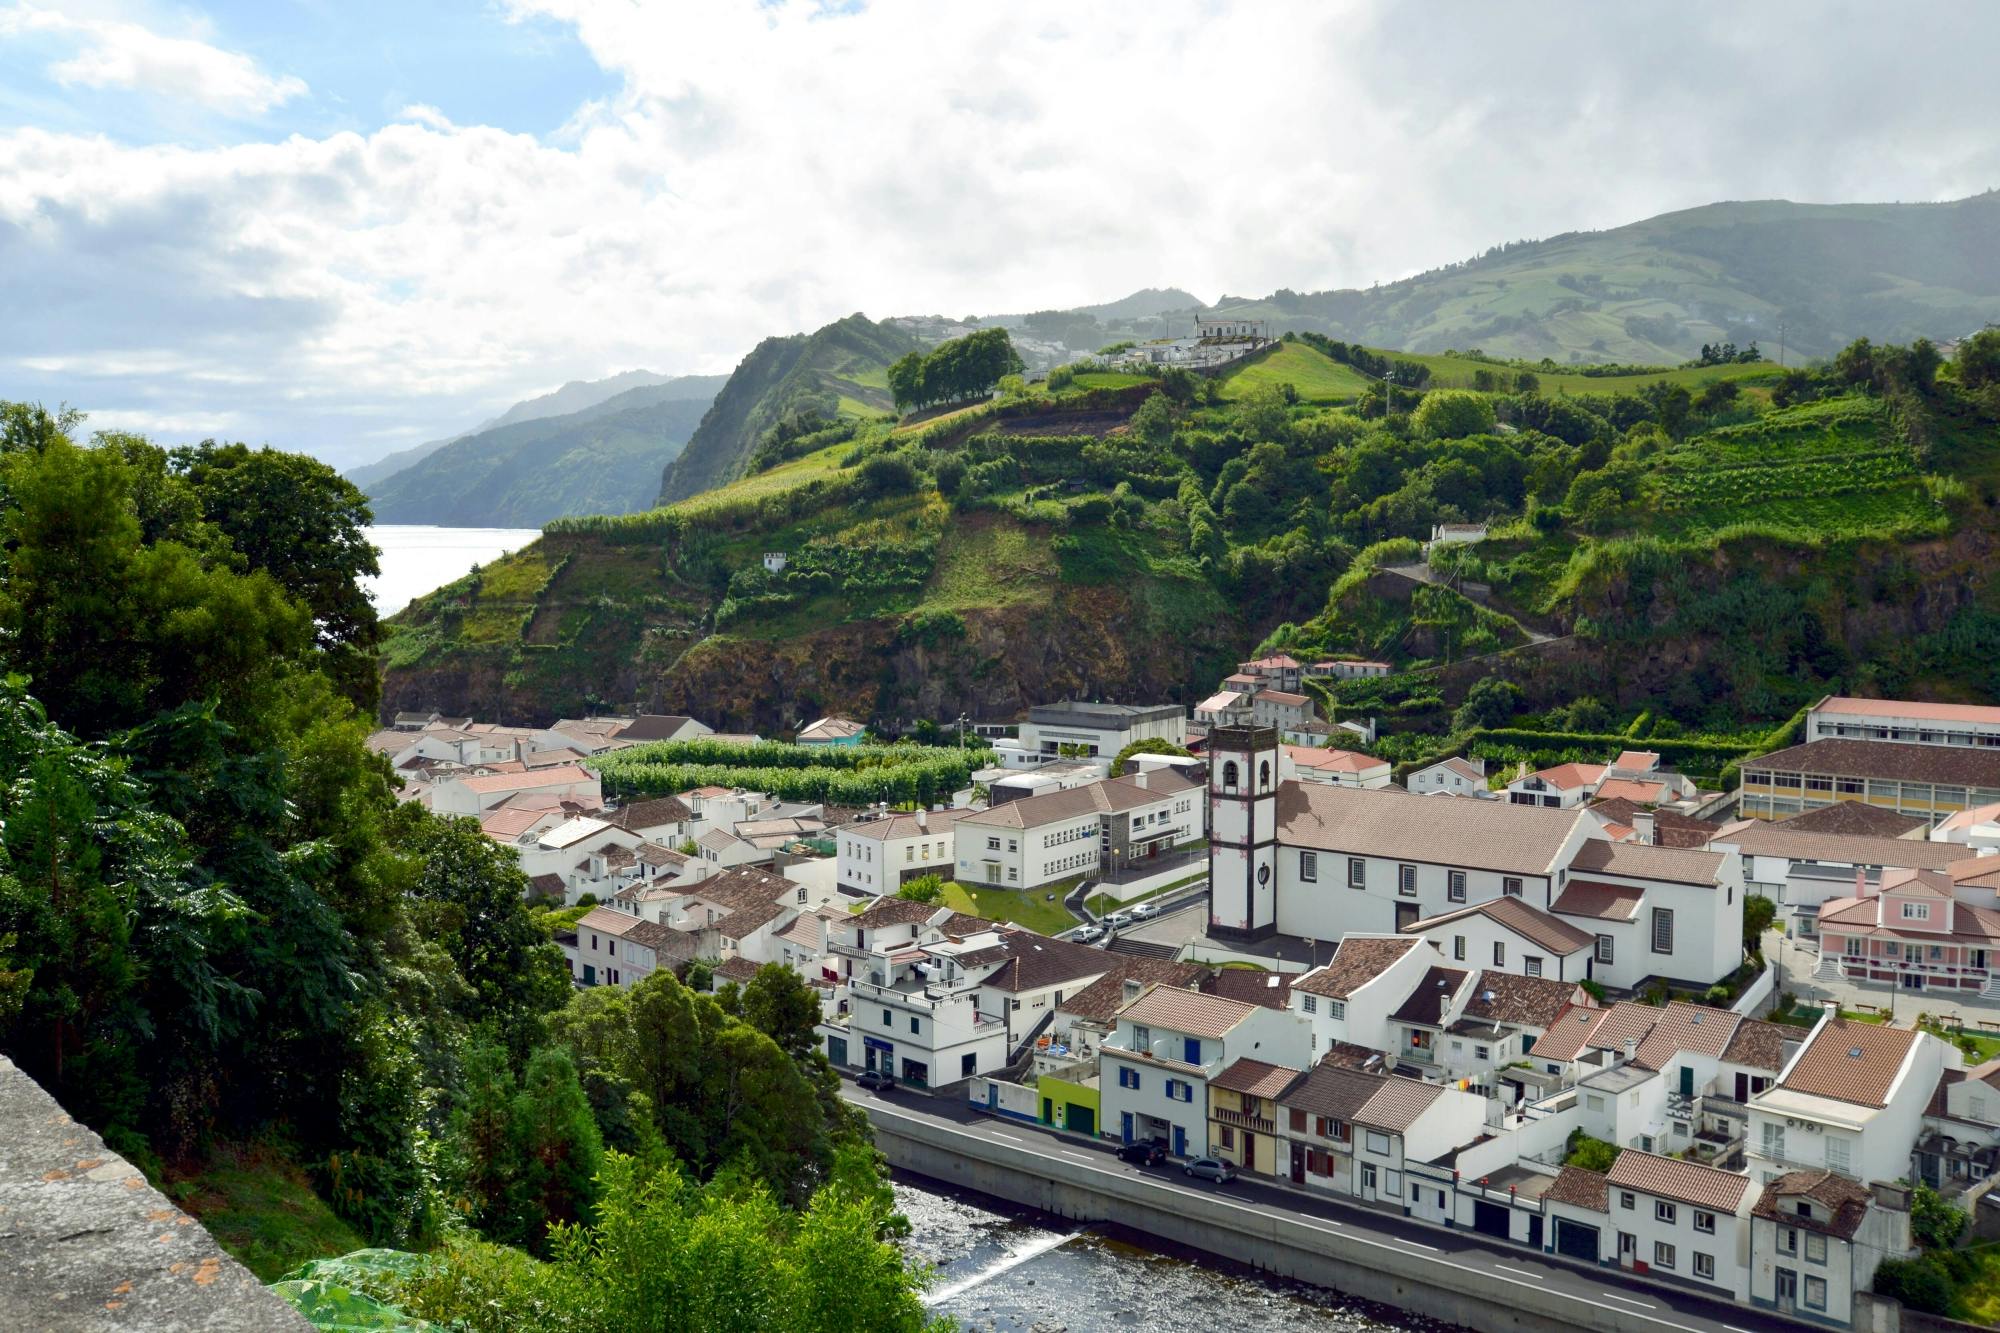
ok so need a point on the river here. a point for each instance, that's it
(1002, 1269)
(420, 559)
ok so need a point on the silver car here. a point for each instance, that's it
(1208, 1168)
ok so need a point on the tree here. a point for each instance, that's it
(1154, 421)
(1527, 382)
(779, 1004)
(489, 1165)
(1935, 1223)
(1978, 361)
(922, 889)
(472, 898)
(1146, 745)
(1758, 914)
(906, 380)
(304, 524)
(559, 1149)
(1263, 415)
(1453, 414)
(1490, 702)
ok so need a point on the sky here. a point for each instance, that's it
(349, 226)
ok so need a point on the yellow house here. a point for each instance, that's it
(1242, 1114)
(1069, 1103)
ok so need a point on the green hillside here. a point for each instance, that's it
(1672, 543)
(1653, 292)
(836, 371)
(602, 460)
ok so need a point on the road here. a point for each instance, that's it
(1639, 1305)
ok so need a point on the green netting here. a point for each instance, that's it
(344, 1295)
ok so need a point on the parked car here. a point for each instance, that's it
(1143, 1152)
(876, 1080)
(1085, 934)
(1145, 910)
(1207, 1168)
(1117, 919)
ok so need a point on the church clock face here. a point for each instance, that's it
(1263, 874)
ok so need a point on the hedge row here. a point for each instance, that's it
(837, 775)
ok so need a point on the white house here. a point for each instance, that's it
(1457, 776)
(1817, 1237)
(1348, 669)
(1851, 1100)
(1507, 935)
(1155, 1068)
(611, 948)
(1348, 1000)
(1100, 828)
(1977, 829)
(476, 795)
(879, 855)
(1840, 718)
(1074, 729)
(1338, 768)
(1225, 708)
(1667, 1218)
(1563, 787)
(1802, 871)
(1353, 1132)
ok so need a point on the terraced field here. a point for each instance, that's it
(1317, 377)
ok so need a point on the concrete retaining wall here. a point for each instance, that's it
(1756, 993)
(1308, 1249)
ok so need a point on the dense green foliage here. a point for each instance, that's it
(219, 927)
(842, 774)
(962, 368)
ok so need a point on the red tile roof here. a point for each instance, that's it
(1682, 1181)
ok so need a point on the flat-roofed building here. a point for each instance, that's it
(1838, 717)
(1929, 781)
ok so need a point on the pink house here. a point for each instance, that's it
(1915, 931)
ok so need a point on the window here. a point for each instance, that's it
(1127, 1078)
(1455, 886)
(1309, 867)
(1458, 948)
(1836, 1155)
(1228, 1137)
(1627, 1200)
(1664, 1212)
(1815, 1248)
(1774, 1139)
(909, 852)
(1310, 1004)
(1142, 1037)
(1916, 911)
(1231, 776)
(1357, 873)
(968, 1066)
(1298, 1121)
(1663, 930)
(1378, 1142)
(913, 1023)
(1336, 1009)
(1815, 1293)
(1704, 1265)
(1788, 1240)
(1532, 965)
(1663, 1254)
(1604, 953)
(1193, 1050)
(888, 1019)
(1510, 886)
(1482, 1053)
(1406, 881)
(1323, 1126)
(1704, 1221)
(1499, 953)
(1013, 874)
(993, 844)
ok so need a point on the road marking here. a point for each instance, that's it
(1522, 1271)
(1082, 1156)
(1009, 1137)
(1616, 1297)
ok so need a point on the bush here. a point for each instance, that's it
(1588, 1153)
(1921, 1284)
(1453, 414)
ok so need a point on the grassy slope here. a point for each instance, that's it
(262, 1210)
(1652, 292)
(1033, 910)
(1317, 377)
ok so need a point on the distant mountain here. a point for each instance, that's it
(603, 459)
(576, 396)
(839, 370)
(1147, 301)
(1655, 291)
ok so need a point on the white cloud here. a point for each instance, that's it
(768, 167)
(115, 54)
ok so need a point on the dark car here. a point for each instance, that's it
(876, 1080)
(1145, 1152)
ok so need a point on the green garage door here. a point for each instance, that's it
(1576, 1240)
(1080, 1119)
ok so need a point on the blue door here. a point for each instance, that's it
(1125, 1127)
(1180, 1141)
(992, 1096)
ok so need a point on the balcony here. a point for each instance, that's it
(1243, 1120)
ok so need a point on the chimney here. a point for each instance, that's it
(1631, 1049)
(1642, 826)
(1131, 989)
(923, 822)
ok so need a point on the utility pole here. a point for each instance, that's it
(1781, 344)
(962, 720)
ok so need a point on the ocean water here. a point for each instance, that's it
(1002, 1269)
(419, 559)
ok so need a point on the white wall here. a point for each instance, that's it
(1728, 1245)
(1480, 933)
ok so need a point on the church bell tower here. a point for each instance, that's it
(1243, 832)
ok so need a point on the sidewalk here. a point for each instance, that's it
(1795, 974)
